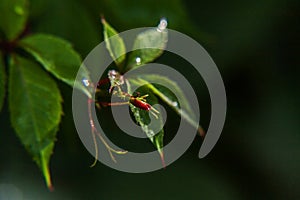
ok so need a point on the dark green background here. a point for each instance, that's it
(254, 43)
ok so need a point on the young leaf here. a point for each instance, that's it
(115, 45)
(142, 118)
(13, 18)
(2, 82)
(58, 57)
(35, 110)
(150, 45)
(183, 109)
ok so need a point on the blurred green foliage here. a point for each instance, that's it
(256, 47)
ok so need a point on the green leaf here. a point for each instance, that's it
(143, 119)
(183, 108)
(35, 110)
(2, 82)
(58, 57)
(14, 14)
(115, 45)
(150, 45)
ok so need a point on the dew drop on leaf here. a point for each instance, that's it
(115, 78)
(86, 82)
(138, 60)
(162, 25)
(151, 133)
(175, 103)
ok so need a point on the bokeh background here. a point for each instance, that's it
(254, 43)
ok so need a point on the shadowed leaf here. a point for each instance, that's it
(14, 14)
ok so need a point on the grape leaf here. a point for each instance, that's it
(114, 44)
(149, 45)
(14, 14)
(35, 110)
(143, 119)
(58, 57)
(184, 109)
(2, 82)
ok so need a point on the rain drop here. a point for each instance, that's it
(138, 60)
(162, 25)
(174, 103)
(86, 82)
(151, 133)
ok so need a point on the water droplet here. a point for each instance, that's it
(19, 10)
(86, 82)
(174, 103)
(162, 25)
(151, 133)
(138, 60)
(112, 74)
(115, 78)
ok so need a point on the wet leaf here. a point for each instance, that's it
(150, 44)
(14, 14)
(143, 119)
(35, 110)
(182, 108)
(58, 57)
(114, 44)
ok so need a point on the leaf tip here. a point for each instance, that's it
(103, 21)
(50, 187)
(201, 132)
(48, 180)
(47, 175)
(162, 158)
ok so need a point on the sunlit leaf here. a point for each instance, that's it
(182, 108)
(2, 82)
(13, 18)
(115, 45)
(150, 44)
(35, 110)
(58, 57)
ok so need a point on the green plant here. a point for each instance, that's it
(139, 105)
(33, 96)
(30, 61)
